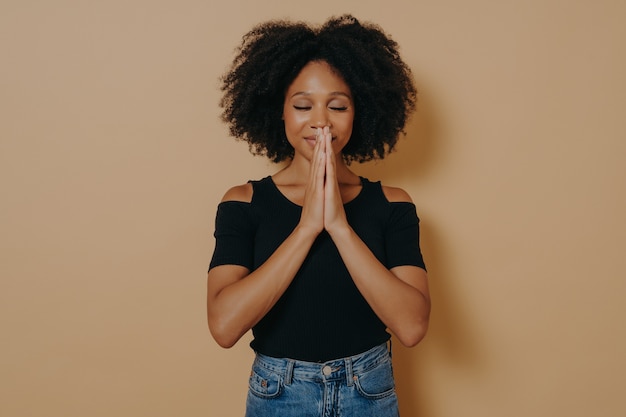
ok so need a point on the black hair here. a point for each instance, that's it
(273, 53)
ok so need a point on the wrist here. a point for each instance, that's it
(340, 231)
(306, 232)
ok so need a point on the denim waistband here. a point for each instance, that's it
(338, 369)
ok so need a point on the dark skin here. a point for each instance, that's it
(318, 114)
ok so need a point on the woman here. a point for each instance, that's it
(316, 260)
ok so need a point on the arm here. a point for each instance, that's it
(237, 298)
(400, 296)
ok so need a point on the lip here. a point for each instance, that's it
(313, 138)
(310, 140)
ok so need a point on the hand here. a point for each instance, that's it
(313, 207)
(334, 213)
(323, 206)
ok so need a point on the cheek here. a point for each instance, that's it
(346, 126)
(293, 120)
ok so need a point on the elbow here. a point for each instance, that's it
(223, 335)
(224, 342)
(413, 334)
(411, 340)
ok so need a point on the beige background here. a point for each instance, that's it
(112, 160)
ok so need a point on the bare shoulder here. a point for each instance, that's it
(241, 193)
(396, 195)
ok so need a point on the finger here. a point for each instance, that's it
(330, 154)
(318, 169)
(321, 139)
(317, 149)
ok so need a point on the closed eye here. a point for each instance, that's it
(302, 108)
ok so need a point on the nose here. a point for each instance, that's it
(319, 118)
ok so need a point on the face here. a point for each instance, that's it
(318, 97)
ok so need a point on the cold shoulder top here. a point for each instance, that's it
(322, 315)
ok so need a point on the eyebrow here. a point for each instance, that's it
(334, 93)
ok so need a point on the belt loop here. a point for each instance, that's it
(349, 374)
(389, 348)
(289, 372)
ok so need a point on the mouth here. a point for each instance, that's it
(311, 140)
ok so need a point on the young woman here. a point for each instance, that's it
(316, 260)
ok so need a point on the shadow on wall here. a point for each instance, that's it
(448, 336)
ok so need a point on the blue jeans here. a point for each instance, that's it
(357, 386)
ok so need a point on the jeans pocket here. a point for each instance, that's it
(376, 382)
(265, 383)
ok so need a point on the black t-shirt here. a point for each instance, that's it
(322, 315)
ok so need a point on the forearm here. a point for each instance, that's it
(235, 308)
(401, 302)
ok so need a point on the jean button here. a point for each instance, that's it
(327, 370)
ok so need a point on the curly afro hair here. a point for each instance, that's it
(271, 56)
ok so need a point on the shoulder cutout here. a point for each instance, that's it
(241, 193)
(396, 195)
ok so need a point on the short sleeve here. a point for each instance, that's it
(402, 236)
(234, 235)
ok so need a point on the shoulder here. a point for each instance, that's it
(242, 193)
(396, 195)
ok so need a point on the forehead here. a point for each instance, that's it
(317, 77)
